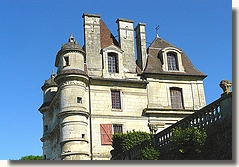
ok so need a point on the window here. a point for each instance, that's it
(115, 99)
(82, 135)
(107, 131)
(46, 127)
(79, 100)
(117, 128)
(172, 61)
(176, 98)
(113, 63)
(66, 61)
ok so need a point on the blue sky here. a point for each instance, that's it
(32, 33)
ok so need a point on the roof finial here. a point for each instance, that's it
(157, 28)
(71, 39)
(53, 74)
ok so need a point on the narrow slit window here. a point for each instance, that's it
(83, 135)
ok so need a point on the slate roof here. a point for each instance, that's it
(49, 82)
(106, 37)
(154, 65)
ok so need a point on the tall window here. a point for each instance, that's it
(115, 99)
(176, 98)
(113, 63)
(172, 61)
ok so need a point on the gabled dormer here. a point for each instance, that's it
(112, 62)
(166, 59)
(171, 59)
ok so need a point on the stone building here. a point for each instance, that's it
(100, 89)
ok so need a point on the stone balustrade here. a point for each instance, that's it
(201, 118)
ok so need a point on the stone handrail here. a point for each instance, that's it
(201, 118)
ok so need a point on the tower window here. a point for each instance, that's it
(66, 61)
(176, 98)
(115, 99)
(113, 63)
(83, 135)
(79, 100)
(46, 127)
(172, 61)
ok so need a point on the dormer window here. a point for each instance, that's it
(113, 63)
(172, 61)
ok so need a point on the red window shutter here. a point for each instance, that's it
(106, 134)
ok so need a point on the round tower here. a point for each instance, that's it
(72, 81)
(49, 90)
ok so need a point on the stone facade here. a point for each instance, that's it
(100, 89)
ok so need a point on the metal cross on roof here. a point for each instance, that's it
(157, 28)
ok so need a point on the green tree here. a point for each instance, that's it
(31, 157)
(188, 143)
(125, 141)
(149, 153)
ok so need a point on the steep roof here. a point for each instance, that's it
(106, 37)
(154, 64)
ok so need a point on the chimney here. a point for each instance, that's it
(126, 42)
(141, 45)
(92, 44)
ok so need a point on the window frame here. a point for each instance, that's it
(115, 96)
(176, 98)
(172, 60)
(163, 57)
(113, 62)
(115, 128)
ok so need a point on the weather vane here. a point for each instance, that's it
(157, 28)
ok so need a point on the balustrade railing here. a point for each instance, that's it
(200, 119)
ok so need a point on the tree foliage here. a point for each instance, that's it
(31, 157)
(149, 153)
(125, 141)
(188, 143)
